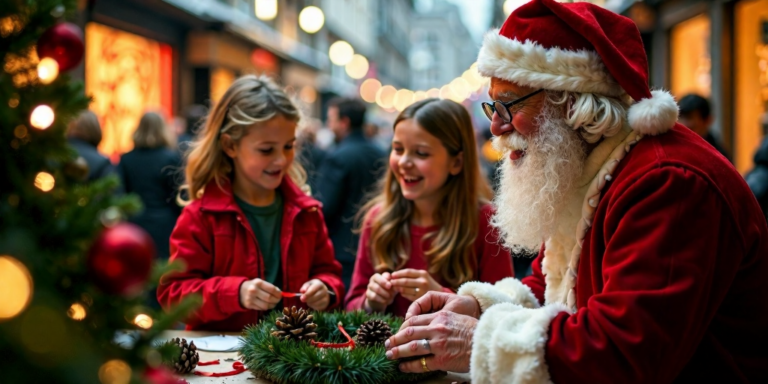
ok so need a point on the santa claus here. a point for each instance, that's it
(654, 264)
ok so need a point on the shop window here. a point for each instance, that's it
(221, 79)
(126, 75)
(751, 71)
(690, 57)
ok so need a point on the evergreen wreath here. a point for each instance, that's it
(291, 361)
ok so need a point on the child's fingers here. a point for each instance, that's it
(372, 296)
(408, 272)
(269, 289)
(381, 281)
(378, 290)
(407, 283)
(315, 288)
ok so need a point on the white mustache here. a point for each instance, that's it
(510, 142)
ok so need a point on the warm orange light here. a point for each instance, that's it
(433, 93)
(385, 97)
(308, 94)
(357, 68)
(368, 90)
(143, 321)
(15, 287)
(42, 117)
(76, 312)
(419, 95)
(47, 70)
(115, 372)
(44, 181)
(403, 98)
(311, 19)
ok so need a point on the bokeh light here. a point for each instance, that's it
(47, 70)
(403, 98)
(308, 94)
(265, 9)
(44, 181)
(385, 97)
(357, 68)
(42, 117)
(311, 19)
(341, 53)
(15, 287)
(115, 372)
(143, 321)
(76, 312)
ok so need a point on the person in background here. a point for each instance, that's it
(149, 171)
(251, 238)
(310, 154)
(346, 175)
(194, 116)
(757, 178)
(428, 229)
(696, 114)
(84, 135)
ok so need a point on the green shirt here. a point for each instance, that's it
(265, 223)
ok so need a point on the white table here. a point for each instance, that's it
(246, 377)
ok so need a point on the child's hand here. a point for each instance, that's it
(315, 294)
(259, 295)
(380, 293)
(414, 283)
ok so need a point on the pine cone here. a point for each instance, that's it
(295, 324)
(373, 332)
(187, 358)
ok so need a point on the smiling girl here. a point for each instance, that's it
(428, 230)
(250, 237)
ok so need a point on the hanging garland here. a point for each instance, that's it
(332, 357)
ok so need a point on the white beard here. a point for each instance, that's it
(533, 189)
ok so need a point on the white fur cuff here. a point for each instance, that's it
(509, 290)
(509, 344)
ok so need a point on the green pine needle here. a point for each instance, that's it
(289, 361)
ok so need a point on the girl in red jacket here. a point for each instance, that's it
(428, 230)
(250, 236)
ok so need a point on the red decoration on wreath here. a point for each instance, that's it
(64, 43)
(120, 259)
(349, 344)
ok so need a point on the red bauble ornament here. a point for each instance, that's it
(64, 43)
(120, 259)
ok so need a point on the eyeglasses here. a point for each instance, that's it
(502, 108)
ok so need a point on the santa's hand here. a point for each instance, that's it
(414, 283)
(315, 294)
(442, 301)
(444, 339)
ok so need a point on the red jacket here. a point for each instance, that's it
(673, 276)
(492, 263)
(215, 240)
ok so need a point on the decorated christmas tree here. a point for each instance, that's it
(72, 274)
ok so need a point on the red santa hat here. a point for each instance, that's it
(578, 47)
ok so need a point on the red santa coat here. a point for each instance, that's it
(672, 282)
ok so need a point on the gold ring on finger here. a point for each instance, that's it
(424, 364)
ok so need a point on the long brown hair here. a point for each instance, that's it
(152, 132)
(249, 100)
(452, 247)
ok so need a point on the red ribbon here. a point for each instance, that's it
(212, 362)
(237, 368)
(350, 341)
(290, 294)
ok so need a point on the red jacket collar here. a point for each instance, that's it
(221, 199)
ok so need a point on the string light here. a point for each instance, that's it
(143, 321)
(368, 90)
(403, 98)
(308, 94)
(42, 117)
(311, 19)
(115, 372)
(341, 53)
(265, 9)
(44, 181)
(385, 96)
(47, 70)
(16, 285)
(357, 68)
(76, 312)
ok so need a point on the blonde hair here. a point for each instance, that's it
(452, 249)
(249, 100)
(152, 132)
(594, 116)
(85, 127)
